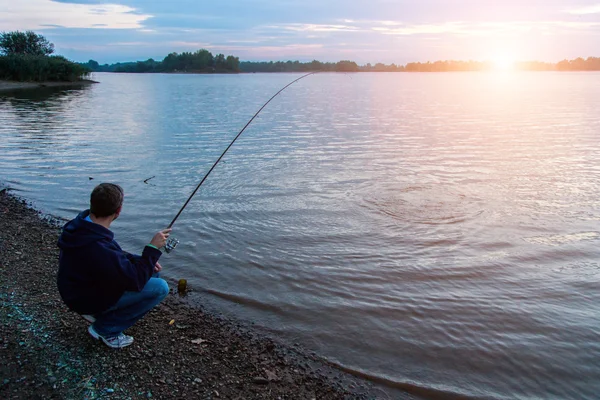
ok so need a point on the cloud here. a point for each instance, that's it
(314, 28)
(37, 14)
(482, 28)
(448, 28)
(137, 44)
(189, 45)
(585, 10)
(251, 51)
(391, 28)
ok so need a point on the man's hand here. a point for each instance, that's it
(157, 267)
(160, 239)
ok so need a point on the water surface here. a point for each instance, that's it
(434, 233)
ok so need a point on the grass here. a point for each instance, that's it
(29, 68)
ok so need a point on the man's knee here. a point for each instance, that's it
(164, 288)
(159, 287)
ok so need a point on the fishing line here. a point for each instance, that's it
(172, 241)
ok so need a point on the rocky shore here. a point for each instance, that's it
(180, 351)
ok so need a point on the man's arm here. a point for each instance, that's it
(137, 270)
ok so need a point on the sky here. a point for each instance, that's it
(364, 31)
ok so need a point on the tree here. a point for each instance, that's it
(202, 59)
(232, 63)
(170, 62)
(315, 65)
(219, 61)
(28, 43)
(346, 66)
(93, 65)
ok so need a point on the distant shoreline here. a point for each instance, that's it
(8, 86)
(326, 71)
(203, 62)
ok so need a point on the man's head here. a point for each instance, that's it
(106, 200)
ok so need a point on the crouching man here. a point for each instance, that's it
(109, 287)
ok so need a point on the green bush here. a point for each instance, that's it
(23, 67)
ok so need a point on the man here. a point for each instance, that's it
(109, 287)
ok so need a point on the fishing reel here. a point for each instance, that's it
(171, 244)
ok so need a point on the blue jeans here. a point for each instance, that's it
(130, 308)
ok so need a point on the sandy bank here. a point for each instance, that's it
(179, 351)
(7, 86)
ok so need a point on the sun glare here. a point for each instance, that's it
(503, 62)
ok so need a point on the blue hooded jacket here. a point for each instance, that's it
(94, 271)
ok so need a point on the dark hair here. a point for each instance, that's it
(106, 199)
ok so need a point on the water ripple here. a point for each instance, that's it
(433, 233)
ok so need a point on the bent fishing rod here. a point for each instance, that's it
(172, 242)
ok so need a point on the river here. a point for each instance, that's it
(436, 234)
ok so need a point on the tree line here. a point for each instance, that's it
(201, 61)
(27, 56)
(297, 66)
(579, 64)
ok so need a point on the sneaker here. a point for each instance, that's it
(116, 342)
(89, 318)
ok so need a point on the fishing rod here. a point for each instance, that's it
(172, 242)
